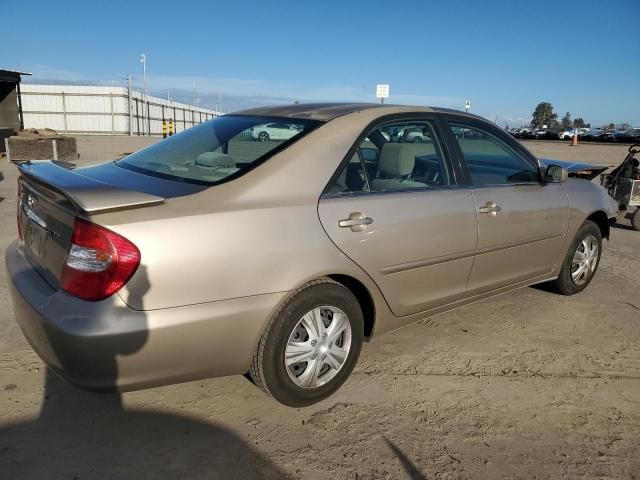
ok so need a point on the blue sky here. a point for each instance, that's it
(504, 56)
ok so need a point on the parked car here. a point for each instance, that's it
(274, 131)
(632, 135)
(594, 134)
(549, 134)
(199, 257)
(539, 133)
(570, 132)
(525, 133)
(614, 135)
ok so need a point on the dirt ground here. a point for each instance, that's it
(526, 385)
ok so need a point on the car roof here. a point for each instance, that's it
(315, 111)
(328, 111)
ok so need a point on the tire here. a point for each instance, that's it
(284, 382)
(588, 235)
(263, 136)
(635, 219)
(417, 140)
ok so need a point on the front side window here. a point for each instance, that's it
(395, 156)
(490, 160)
(223, 147)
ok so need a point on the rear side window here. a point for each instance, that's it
(218, 150)
(490, 160)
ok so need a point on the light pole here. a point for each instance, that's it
(145, 107)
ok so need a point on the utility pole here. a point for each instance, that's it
(130, 107)
(145, 106)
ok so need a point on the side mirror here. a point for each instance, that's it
(556, 174)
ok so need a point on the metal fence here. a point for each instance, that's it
(92, 110)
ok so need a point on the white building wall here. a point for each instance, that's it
(103, 110)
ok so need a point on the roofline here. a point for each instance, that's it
(326, 112)
(6, 70)
(313, 111)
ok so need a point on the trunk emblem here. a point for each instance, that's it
(32, 201)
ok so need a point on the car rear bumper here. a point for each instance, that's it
(106, 345)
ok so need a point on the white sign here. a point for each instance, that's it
(382, 91)
(467, 104)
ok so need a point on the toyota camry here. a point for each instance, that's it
(210, 254)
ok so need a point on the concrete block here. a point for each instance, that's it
(42, 148)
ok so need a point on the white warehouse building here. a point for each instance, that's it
(104, 110)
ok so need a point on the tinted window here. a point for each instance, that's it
(214, 150)
(395, 156)
(490, 160)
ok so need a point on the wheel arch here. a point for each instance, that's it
(364, 298)
(601, 219)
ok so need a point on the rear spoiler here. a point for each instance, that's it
(86, 194)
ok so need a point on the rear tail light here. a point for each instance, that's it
(99, 263)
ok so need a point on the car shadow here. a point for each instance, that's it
(85, 435)
(548, 287)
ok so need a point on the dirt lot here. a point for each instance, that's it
(526, 385)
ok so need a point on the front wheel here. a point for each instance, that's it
(263, 137)
(310, 345)
(582, 260)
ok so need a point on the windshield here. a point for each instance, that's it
(217, 150)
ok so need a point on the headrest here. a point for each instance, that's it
(214, 159)
(396, 160)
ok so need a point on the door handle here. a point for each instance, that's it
(490, 208)
(356, 222)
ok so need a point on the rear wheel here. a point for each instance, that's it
(635, 219)
(582, 260)
(310, 345)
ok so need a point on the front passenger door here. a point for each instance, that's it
(522, 223)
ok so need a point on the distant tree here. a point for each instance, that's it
(623, 126)
(543, 115)
(579, 123)
(611, 126)
(506, 127)
(566, 121)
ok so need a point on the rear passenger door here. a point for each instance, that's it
(522, 222)
(399, 214)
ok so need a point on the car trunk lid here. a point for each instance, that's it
(50, 198)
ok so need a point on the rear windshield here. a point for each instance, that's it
(219, 149)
